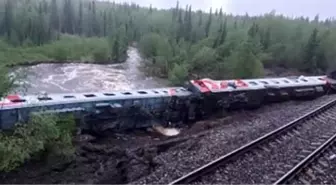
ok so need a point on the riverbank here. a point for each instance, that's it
(36, 62)
(68, 49)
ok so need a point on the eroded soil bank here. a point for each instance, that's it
(120, 158)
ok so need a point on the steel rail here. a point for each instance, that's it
(306, 161)
(211, 166)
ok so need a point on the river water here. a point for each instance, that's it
(75, 77)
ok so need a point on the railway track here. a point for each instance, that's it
(276, 157)
(306, 166)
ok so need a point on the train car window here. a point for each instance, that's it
(264, 82)
(89, 95)
(127, 93)
(286, 81)
(69, 97)
(304, 80)
(321, 79)
(109, 94)
(253, 83)
(165, 92)
(142, 92)
(156, 92)
(18, 100)
(276, 82)
(44, 98)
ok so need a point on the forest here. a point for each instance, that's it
(178, 43)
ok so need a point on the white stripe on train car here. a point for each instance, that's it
(69, 98)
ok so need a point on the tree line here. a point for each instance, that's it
(177, 42)
(220, 45)
(40, 22)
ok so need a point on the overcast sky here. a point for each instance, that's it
(325, 8)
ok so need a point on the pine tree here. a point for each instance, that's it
(223, 34)
(266, 39)
(7, 23)
(68, 17)
(207, 27)
(54, 17)
(246, 63)
(310, 55)
(80, 26)
(95, 24)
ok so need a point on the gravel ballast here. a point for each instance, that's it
(270, 162)
(321, 171)
(233, 132)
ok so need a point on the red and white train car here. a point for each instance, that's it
(254, 92)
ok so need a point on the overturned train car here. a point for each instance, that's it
(103, 111)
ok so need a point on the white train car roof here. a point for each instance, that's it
(18, 101)
(215, 86)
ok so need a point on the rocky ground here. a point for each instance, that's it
(232, 133)
(147, 157)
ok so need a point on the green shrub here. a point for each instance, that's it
(67, 48)
(60, 53)
(178, 74)
(44, 133)
(100, 55)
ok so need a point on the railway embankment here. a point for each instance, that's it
(148, 157)
(239, 129)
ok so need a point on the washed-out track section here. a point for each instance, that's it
(274, 157)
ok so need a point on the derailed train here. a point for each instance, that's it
(199, 99)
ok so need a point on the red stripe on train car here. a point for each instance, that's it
(13, 97)
(223, 85)
(203, 87)
(241, 83)
(211, 83)
(172, 92)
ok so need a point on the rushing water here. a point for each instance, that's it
(74, 77)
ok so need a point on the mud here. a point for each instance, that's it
(118, 159)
